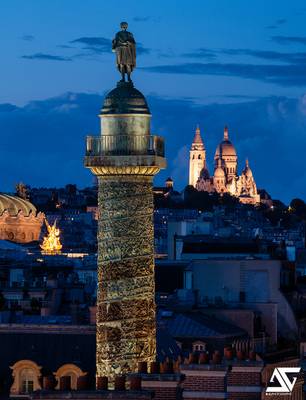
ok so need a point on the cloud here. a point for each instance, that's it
(141, 19)
(142, 50)
(281, 21)
(239, 96)
(201, 53)
(96, 44)
(270, 131)
(7, 107)
(179, 164)
(65, 46)
(286, 40)
(255, 128)
(211, 54)
(277, 23)
(283, 75)
(48, 57)
(100, 45)
(146, 18)
(28, 38)
(294, 58)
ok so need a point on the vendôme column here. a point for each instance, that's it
(125, 159)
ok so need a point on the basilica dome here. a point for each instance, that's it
(13, 205)
(204, 174)
(247, 170)
(125, 99)
(225, 148)
(219, 172)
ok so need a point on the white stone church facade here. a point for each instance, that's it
(225, 178)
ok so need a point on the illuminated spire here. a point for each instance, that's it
(51, 243)
(247, 170)
(225, 133)
(197, 137)
(197, 158)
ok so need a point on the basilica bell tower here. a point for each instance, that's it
(197, 158)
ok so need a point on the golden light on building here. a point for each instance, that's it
(51, 243)
(125, 159)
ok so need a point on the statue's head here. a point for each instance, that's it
(124, 26)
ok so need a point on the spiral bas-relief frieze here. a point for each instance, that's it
(126, 328)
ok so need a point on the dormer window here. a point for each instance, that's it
(198, 346)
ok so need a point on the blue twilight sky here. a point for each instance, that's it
(212, 62)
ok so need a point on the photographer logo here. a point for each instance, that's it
(285, 383)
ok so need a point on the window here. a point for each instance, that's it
(198, 346)
(27, 386)
(26, 376)
(10, 236)
(27, 380)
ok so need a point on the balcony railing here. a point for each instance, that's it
(124, 145)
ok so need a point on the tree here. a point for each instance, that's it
(298, 207)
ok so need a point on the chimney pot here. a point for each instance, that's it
(120, 382)
(102, 382)
(142, 367)
(203, 358)
(135, 383)
(193, 358)
(166, 367)
(228, 353)
(154, 367)
(240, 355)
(217, 357)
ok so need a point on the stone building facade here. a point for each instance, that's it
(19, 220)
(201, 376)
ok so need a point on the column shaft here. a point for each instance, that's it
(126, 327)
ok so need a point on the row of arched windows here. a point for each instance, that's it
(230, 170)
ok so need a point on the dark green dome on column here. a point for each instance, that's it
(125, 99)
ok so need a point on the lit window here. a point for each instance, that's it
(198, 346)
(27, 386)
(27, 380)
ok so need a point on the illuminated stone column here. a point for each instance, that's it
(125, 158)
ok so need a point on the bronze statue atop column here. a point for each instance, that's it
(125, 47)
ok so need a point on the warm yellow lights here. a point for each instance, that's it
(51, 243)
